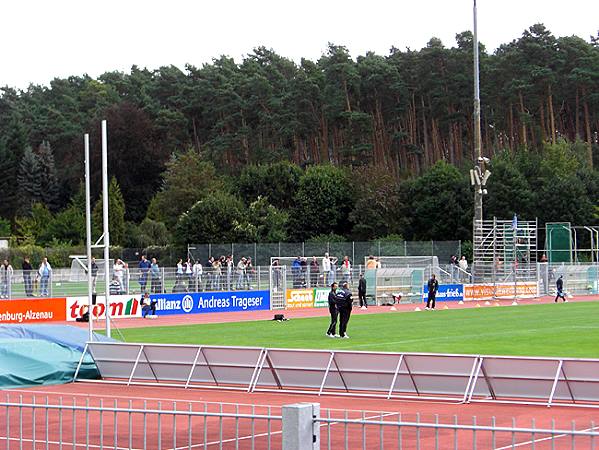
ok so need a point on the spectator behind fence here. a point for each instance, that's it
(249, 270)
(6, 272)
(230, 265)
(27, 270)
(240, 273)
(197, 275)
(118, 270)
(326, 270)
(144, 269)
(45, 274)
(346, 270)
(94, 274)
(115, 287)
(156, 286)
(371, 263)
(296, 268)
(314, 272)
(188, 266)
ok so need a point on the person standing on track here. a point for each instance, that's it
(559, 284)
(433, 287)
(344, 305)
(362, 292)
(333, 310)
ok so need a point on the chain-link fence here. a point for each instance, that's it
(262, 253)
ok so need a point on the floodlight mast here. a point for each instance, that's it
(105, 223)
(88, 231)
(480, 162)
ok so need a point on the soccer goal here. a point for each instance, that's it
(79, 267)
(389, 262)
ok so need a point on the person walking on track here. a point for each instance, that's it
(433, 287)
(344, 305)
(559, 284)
(333, 310)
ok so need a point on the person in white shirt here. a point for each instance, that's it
(118, 270)
(197, 274)
(45, 273)
(326, 269)
(463, 263)
(346, 269)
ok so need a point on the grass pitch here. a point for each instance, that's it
(567, 330)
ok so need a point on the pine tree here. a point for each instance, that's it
(29, 181)
(12, 145)
(49, 182)
(116, 214)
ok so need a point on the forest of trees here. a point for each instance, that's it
(267, 149)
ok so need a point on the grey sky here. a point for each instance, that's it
(44, 39)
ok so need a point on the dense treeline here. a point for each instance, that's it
(268, 149)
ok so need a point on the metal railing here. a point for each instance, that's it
(61, 283)
(147, 424)
(91, 422)
(396, 431)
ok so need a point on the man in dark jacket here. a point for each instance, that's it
(433, 287)
(559, 284)
(333, 310)
(27, 269)
(344, 305)
(362, 291)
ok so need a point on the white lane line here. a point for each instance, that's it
(242, 438)
(534, 441)
(65, 444)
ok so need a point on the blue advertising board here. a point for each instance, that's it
(207, 302)
(447, 293)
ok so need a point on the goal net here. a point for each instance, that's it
(79, 264)
(387, 262)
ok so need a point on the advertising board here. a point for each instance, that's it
(207, 302)
(299, 298)
(321, 297)
(121, 307)
(506, 290)
(447, 293)
(28, 310)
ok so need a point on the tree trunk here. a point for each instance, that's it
(523, 140)
(577, 114)
(587, 126)
(551, 114)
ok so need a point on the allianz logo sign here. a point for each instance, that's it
(187, 303)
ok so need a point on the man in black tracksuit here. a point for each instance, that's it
(559, 284)
(362, 291)
(344, 305)
(433, 287)
(333, 310)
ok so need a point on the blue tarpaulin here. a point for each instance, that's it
(32, 355)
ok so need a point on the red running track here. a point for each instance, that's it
(214, 431)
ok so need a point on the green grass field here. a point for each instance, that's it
(568, 330)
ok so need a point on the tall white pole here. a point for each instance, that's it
(478, 196)
(88, 232)
(105, 222)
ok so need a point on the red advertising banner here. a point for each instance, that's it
(27, 310)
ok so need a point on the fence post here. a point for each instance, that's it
(301, 430)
